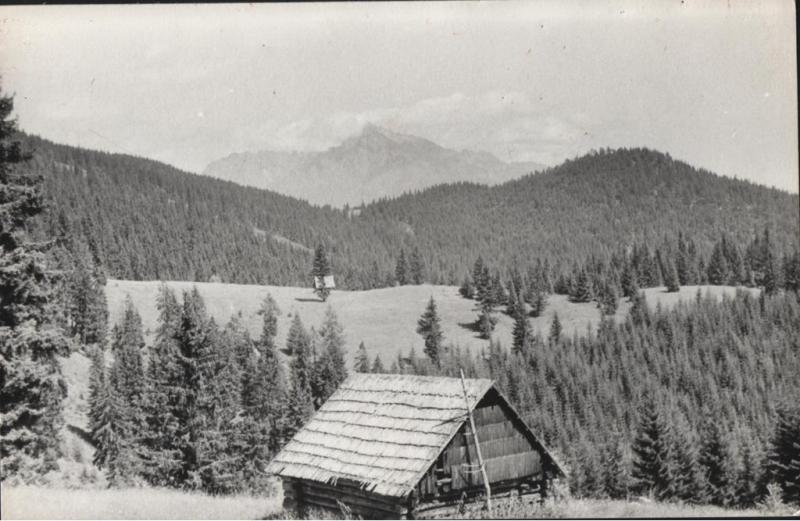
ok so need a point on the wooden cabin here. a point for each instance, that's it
(400, 446)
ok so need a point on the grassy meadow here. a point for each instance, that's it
(384, 319)
(27, 502)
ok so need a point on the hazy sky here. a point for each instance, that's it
(712, 83)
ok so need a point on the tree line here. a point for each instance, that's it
(205, 407)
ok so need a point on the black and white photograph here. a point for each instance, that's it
(400, 260)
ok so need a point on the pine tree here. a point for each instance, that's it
(97, 387)
(330, 369)
(194, 339)
(783, 458)
(607, 299)
(717, 271)
(321, 269)
(429, 326)
(218, 409)
(417, 267)
(161, 449)
(362, 359)
(615, 474)
(401, 270)
(651, 454)
(714, 464)
(497, 293)
(582, 290)
(480, 279)
(88, 313)
(687, 485)
(555, 329)
(467, 290)
(300, 405)
(377, 366)
(522, 333)
(671, 280)
(486, 321)
(32, 388)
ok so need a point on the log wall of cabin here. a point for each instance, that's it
(303, 496)
(508, 455)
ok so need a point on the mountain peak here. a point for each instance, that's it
(373, 134)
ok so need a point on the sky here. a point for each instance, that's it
(712, 83)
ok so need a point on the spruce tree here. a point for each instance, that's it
(607, 299)
(615, 474)
(31, 389)
(714, 463)
(467, 289)
(651, 454)
(555, 329)
(218, 460)
(88, 313)
(330, 369)
(163, 404)
(783, 458)
(429, 326)
(688, 485)
(522, 333)
(717, 271)
(377, 366)
(417, 267)
(582, 289)
(300, 403)
(401, 269)
(321, 269)
(362, 359)
(671, 279)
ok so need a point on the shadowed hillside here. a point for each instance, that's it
(144, 220)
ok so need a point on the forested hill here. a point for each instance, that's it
(145, 220)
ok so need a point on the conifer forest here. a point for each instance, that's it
(659, 399)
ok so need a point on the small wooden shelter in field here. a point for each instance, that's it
(400, 446)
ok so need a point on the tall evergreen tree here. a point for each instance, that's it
(300, 403)
(582, 290)
(715, 464)
(330, 369)
(522, 333)
(555, 329)
(377, 366)
(401, 269)
(718, 272)
(671, 279)
(429, 326)
(321, 269)
(88, 313)
(31, 386)
(651, 454)
(417, 267)
(783, 458)
(164, 400)
(615, 473)
(362, 359)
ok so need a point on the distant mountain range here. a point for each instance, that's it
(375, 164)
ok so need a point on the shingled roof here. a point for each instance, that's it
(382, 431)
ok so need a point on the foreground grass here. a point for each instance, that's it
(26, 502)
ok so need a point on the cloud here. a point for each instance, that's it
(508, 124)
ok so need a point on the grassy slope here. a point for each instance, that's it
(56, 503)
(49, 503)
(385, 319)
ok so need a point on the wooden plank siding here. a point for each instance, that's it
(300, 496)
